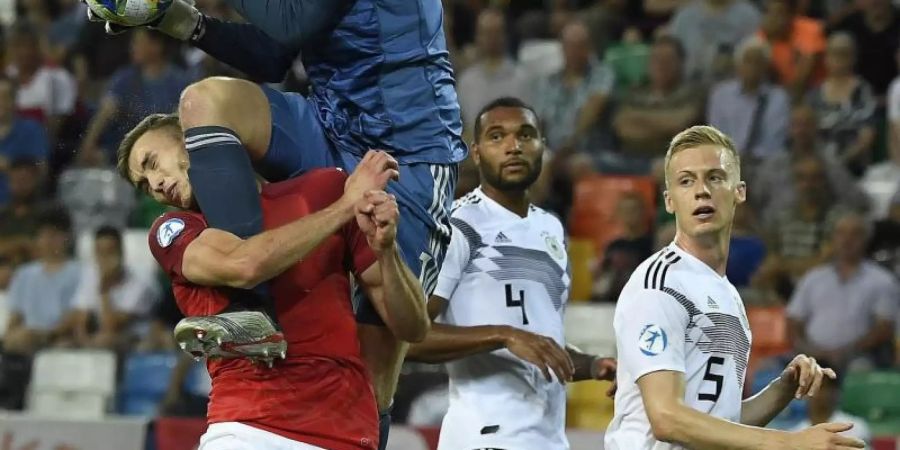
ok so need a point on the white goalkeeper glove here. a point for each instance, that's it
(181, 20)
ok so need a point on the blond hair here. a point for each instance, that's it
(151, 122)
(697, 136)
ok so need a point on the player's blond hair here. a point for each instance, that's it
(697, 136)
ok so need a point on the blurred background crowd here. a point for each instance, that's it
(808, 89)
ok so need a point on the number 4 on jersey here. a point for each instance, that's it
(520, 302)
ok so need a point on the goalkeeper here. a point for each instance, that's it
(381, 79)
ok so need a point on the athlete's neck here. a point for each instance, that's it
(515, 201)
(712, 249)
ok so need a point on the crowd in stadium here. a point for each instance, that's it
(808, 89)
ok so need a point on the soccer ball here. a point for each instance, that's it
(129, 13)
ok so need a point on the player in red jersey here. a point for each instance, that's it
(320, 396)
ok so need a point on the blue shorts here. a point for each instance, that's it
(424, 192)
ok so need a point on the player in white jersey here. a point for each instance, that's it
(500, 299)
(682, 334)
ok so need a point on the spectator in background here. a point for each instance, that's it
(626, 252)
(605, 19)
(493, 74)
(113, 304)
(95, 57)
(58, 23)
(710, 30)
(797, 44)
(648, 117)
(881, 181)
(747, 250)
(150, 84)
(884, 247)
(797, 234)
(19, 219)
(19, 137)
(750, 109)
(876, 28)
(41, 293)
(773, 185)
(574, 99)
(45, 93)
(823, 407)
(845, 310)
(846, 107)
(6, 273)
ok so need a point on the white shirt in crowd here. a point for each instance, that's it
(133, 295)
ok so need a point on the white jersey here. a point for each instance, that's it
(676, 313)
(503, 269)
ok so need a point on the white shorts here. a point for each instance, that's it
(237, 436)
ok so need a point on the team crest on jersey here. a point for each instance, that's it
(168, 231)
(653, 340)
(553, 246)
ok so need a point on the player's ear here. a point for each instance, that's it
(740, 192)
(668, 199)
(475, 151)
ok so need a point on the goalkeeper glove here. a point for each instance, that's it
(181, 20)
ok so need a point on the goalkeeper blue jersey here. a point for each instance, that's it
(381, 78)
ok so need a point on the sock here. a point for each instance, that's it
(384, 427)
(224, 184)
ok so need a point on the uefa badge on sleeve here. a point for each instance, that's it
(168, 231)
(653, 340)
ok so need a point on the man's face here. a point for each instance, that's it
(510, 150)
(490, 34)
(576, 46)
(752, 67)
(803, 127)
(51, 242)
(809, 179)
(108, 254)
(158, 165)
(630, 212)
(145, 49)
(704, 189)
(849, 238)
(778, 16)
(23, 184)
(664, 65)
(840, 56)
(25, 52)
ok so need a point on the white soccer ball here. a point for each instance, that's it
(129, 12)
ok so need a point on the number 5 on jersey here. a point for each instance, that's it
(513, 303)
(710, 376)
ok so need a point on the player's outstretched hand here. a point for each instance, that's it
(804, 376)
(371, 174)
(541, 351)
(377, 215)
(824, 436)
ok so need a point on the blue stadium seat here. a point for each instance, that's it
(145, 382)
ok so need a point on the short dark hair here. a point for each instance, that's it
(55, 218)
(151, 122)
(503, 102)
(107, 231)
(674, 42)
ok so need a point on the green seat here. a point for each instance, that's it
(629, 62)
(874, 396)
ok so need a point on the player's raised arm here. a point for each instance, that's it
(217, 258)
(801, 378)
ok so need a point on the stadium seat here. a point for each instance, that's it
(769, 327)
(590, 328)
(582, 257)
(72, 383)
(145, 382)
(587, 406)
(594, 204)
(874, 396)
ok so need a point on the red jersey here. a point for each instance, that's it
(321, 394)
